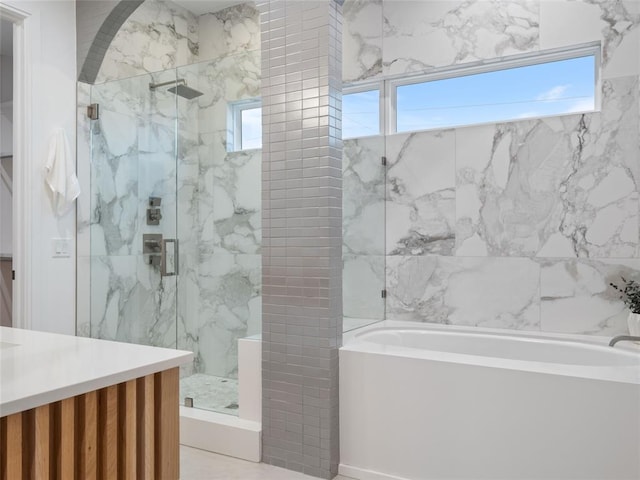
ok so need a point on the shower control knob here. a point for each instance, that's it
(153, 216)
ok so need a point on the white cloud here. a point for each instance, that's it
(553, 94)
(582, 105)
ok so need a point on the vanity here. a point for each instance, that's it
(73, 407)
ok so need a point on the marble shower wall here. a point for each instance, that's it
(517, 225)
(219, 218)
(211, 198)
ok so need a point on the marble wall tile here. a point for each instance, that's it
(420, 209)
(131, 302)
(363, 197)
(223, 304)
(614, 23)
(576, 296)
(555, 187)
(419, 35)
(231, 30)
(363, 280)
(361, 40)
(157, 36)
(487, 292)
(230, 203)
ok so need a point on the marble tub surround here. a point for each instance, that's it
(422, 35)
(394, 37)
(576, 296)
(556, 187)
(420, 217)
(616, 24)
(480, 221)
(489, 292)
(533, 198)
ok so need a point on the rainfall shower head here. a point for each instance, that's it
(180, 88)
(185, 92)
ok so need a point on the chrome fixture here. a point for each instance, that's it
(153, 212)
(160, 255)
(623, 338)
(188, 402)
(180, 88)
(93, 111)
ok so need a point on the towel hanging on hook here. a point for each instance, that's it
(60, 173)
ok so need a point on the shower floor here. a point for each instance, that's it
(211, 393)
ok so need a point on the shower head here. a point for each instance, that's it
(179, 88)
(185, 92)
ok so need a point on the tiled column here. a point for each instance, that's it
(302, 233)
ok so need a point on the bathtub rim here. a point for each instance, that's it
(353, 342)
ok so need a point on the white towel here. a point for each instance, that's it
(60, 173)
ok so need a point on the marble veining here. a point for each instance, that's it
(157, 36)
(231, 30)
(576, 296)
(211, 197)
(361, 40)
(563, 186)
(363, 179)
(131, 302)
(420, 211)
(464, 291)
(421, 35)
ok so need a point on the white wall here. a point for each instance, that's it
(51, 28)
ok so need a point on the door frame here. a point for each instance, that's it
(22, 210)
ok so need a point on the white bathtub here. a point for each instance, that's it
(438, 402)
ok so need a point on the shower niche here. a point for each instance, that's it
(173, 228)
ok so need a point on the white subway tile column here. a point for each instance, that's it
(302, 233)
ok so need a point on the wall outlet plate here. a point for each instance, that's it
(61, 247)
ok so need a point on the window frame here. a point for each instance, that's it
(391, 84)
(368, 86)
(234, 120)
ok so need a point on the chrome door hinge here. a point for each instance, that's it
(93, 111)
(383, 293)
(383, 160)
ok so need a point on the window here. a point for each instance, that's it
(552, 83)
(246, 125)
(360, 112)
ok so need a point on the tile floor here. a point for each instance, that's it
(211, 393)
(200, 465)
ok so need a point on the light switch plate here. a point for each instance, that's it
(61, 247)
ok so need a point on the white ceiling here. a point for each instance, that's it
(200, 7)
(6, 38)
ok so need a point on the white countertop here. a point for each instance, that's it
(37, 368)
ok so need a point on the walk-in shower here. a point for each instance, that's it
(175, 227)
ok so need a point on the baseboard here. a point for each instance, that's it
(363, 474)
(219, 433)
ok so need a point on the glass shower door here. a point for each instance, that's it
(133, 211)
(219, 226)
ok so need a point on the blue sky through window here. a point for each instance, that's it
(251, 121)
(361, 114)
(553, 88)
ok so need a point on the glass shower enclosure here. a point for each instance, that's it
(175, 220)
